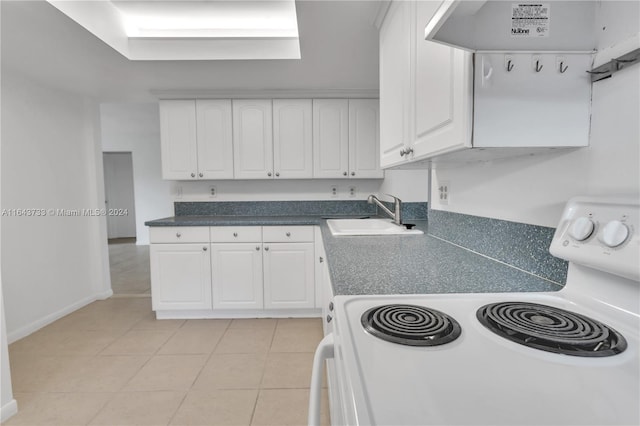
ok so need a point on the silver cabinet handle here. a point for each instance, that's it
(193, 175)
(201, 174)
(403, 152)
(178, 234)
(353, 173)
(235, 234)
(409, 151)
(277, 174)
(329, 318)
(344, 173)
(321, 259)
(269, 174)
(331, 306)
(204, 249)
(257, 248)
(288, 234)
(266, 249)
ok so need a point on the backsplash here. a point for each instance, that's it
(411, 211)
(517, 244)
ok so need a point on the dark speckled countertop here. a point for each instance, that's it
(409, 264)
(418, 264)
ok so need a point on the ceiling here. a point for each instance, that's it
(190, 30)
(338, 46)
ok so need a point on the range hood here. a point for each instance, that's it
(514, 26)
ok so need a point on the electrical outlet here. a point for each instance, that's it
(178, 192)
(444, 192)
(353, 191)
(213, 192)
(333, 191)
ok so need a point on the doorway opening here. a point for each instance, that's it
(128, 262)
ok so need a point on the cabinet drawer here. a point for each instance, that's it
(287, 234)
(179, 234)
(236, 234)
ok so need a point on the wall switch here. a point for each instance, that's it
(444, 192)
(213, 192)
(352, 191)
(334, 191)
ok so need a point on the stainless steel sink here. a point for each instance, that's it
(368, 227)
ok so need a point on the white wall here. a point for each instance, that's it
(408, 185)
(135, 128)
(534, 189)
(51, 265)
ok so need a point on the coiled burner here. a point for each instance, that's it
(551, 329)
(410, 325)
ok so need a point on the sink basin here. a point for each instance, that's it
(368, 227)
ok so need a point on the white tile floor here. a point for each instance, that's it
(113, 363)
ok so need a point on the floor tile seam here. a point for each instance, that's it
(107, 402)
(184, 397)
(135, 373)
(264, 365)
(214, 348)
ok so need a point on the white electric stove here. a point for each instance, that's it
(570, 357)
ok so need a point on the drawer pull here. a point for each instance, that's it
(288, 234)
(321, 259)
(178, 234)
(329, 318)
(331, 306)
(266, 249)
(204, 249)
(193, 175)
(235, 234)
(257, 248)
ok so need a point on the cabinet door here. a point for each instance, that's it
(443, 92)
(252, 139)
(330, 138)
(237, 275)
(289, 276)
(395, 69)
(292, 139)
(364, 151)
(215, 143)
(178, 139)
(180, 276)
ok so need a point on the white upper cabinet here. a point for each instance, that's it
(346, 138)
(395, 69)
(196, 139)
(215, 141)
(364, 136)
(442, 92)
(178, 139)
(426, 89)
(252, 139)
(292, 139)
(330, 138)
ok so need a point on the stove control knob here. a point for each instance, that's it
(581, 229)
(614, 233)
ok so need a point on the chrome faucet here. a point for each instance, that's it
(396, 214)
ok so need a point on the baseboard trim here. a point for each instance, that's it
(8, 410)
(239, 313)
(48, 319)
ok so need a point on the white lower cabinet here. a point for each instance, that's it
(226, 271)
(237, 275)
(180, 276)
(289, 276)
